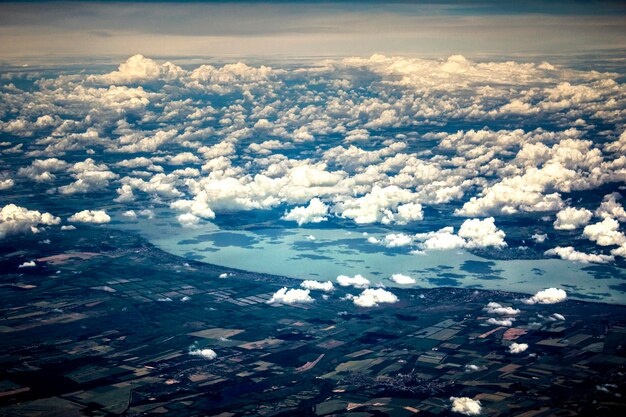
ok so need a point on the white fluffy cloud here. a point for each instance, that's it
(482, 233)
(371, 297)
(291, 296)
(382, 205)
(393, 240)
(402, 279)
(139, 69)
(571, 218)
(358, 281)
(466, 405)
(605, 233)
(6, 183)
(547, 296)
(188, 220)
(16, 219)
(539, 237)
(501, 321)
(517, 347)
(89, 176)
(611, 208)
(571, 254)
(443, 239)
(315, 212)
(90, 216)
(473, 233)
(325, 286)
(209, 354)
(497, 308)
(42, 170)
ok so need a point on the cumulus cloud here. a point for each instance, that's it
(371, 297)
(482, 233)
(443, 239)
(517, 347)
(605, 233)
(291, 296)
(473, 233)
(325, 286)
(139, 69)
(15, 219)
(89, 176)
(539, 237)
(393, 240)
(402, 279)
(501, 322)
(497, 308)
(209, 354)
(465, 405)
(42, 170)
(27, 264)
(571, 254)
(547, 296)
(315, 212)
(474, 368)
(358, 281)
(6, 183)
(572, 218)
(90, 216)
(188, 220)
(611, 208)
(382, 205)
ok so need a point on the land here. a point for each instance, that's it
(104, 324)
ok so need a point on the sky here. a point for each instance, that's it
(54, 30)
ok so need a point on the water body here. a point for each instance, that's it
(294, 253)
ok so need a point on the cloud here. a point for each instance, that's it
(203, 353)
(138, 69)
(465, 405)
(90, 216)
(474, 368)
(443, 239)
(558, 316)
(605, 233)
(402, 279)
(501, 322)
(610, 208)
(6, 183)
(358, 281)
(482, 233)
(371, 297)
(539, 237)
(393, 240)
(188, 220)
(291, 296)
(517, 347)
(325, 286)
(89, 176)
(28, 264)
(497, 308)
(42, 170)
(571, 254)
(15, 219)
(382, 205)
(571, 218)
(315, 212)
(547, 296)
(473, 233)
(183, 158)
